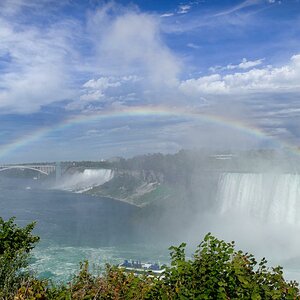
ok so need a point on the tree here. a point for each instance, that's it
(15, 245)
(217, 271)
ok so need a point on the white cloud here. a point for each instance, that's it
(243, 65)
(269, 79)
(101, 83)
(246, 64)
(94, 89)
(91, 96)
(132, 78)
(46, 64)
(124, 48)
(244, 4)
(283, 112)
(183, 9)
(12, 7)
(166, 15)
(107, 89)
(193, 46)
(36, 72)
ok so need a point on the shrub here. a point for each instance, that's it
(15, 245)
(217, 271)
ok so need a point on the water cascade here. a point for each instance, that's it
(82, 181)
(274, 198)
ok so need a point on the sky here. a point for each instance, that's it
(91, 79)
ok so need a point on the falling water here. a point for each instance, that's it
(83, 181)
(274, 198)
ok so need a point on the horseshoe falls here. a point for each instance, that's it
(272, 198)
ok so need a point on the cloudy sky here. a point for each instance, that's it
(237, 62)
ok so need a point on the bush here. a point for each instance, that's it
(15, 245)
(216, 271)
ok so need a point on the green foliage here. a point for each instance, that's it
(14, 238)
(216, 271)
(120, 187)
(15, 245)
(113, 284)
(32, 289)
(157, 195)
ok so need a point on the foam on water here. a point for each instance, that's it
(60, 263)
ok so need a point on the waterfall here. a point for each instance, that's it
(83, 181)
(274, 198)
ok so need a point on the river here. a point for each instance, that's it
(74, 227)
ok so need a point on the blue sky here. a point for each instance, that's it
(238, 60)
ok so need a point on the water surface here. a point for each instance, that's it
(74, 227)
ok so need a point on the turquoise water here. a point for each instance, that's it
(61, 262)
(77, 227)
(74, 228)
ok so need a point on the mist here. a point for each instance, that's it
(164, 199)
(80, 182)
(249, 198)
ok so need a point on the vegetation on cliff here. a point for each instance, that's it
(216, 271)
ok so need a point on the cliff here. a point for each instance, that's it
(133, 186)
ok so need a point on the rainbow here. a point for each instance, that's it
(138, 111)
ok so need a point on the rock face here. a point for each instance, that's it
(136, 187)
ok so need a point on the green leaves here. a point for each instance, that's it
(15, 244)
(14, 238)
(218, 271)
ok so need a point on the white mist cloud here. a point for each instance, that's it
(80, 182)
(124, 48)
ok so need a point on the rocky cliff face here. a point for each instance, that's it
(136, 187)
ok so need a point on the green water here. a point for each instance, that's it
(74, 228)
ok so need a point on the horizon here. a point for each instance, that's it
(286, 153)
(72, 73)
